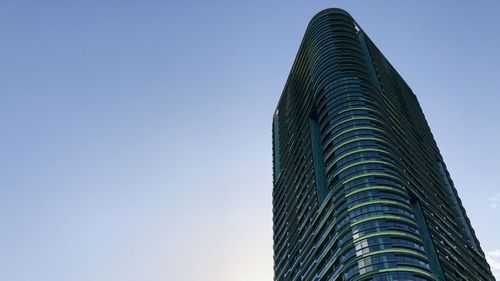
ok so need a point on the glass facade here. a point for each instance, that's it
(361, 191)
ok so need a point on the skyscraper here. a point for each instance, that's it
(361, 191)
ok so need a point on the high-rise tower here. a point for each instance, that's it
(361, 191)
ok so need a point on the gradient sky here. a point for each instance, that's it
(135, 136)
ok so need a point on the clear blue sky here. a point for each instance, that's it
(135, 136)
